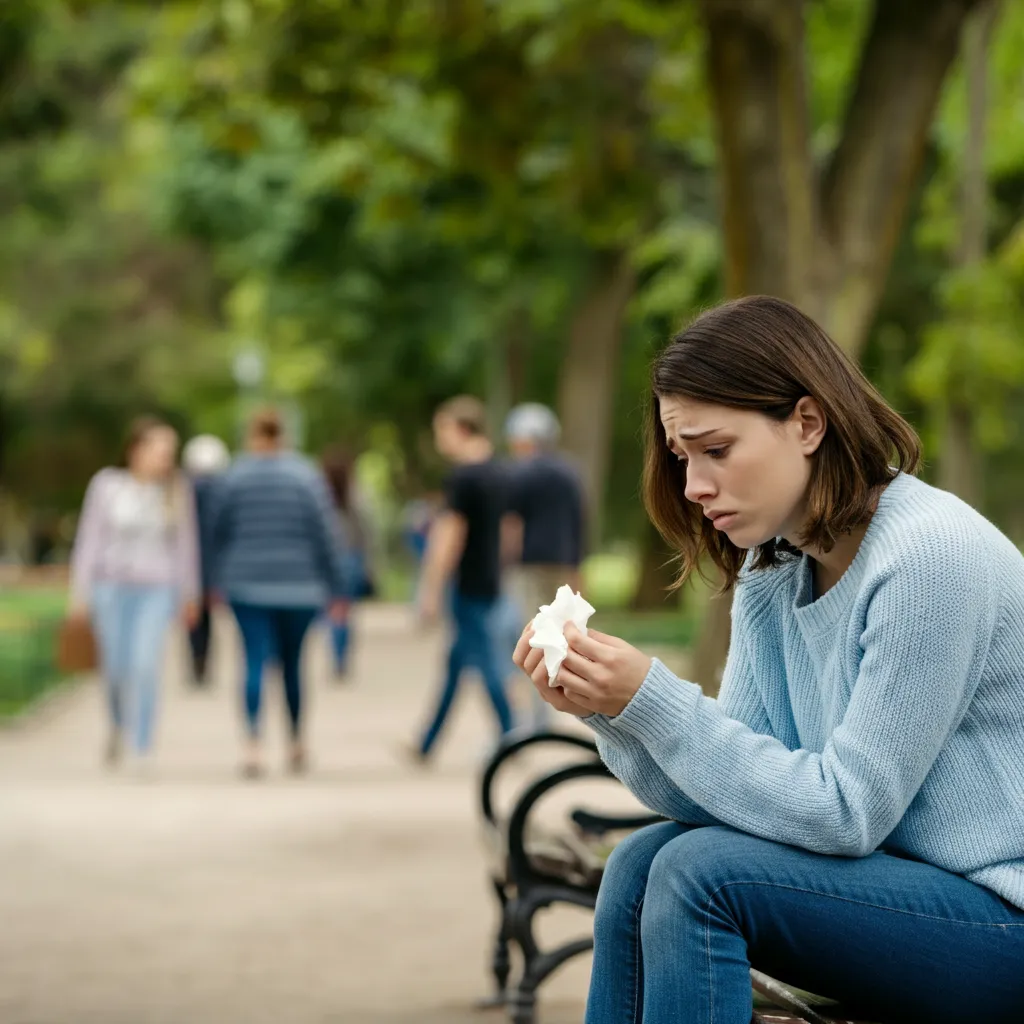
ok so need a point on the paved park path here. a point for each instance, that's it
(355, 895)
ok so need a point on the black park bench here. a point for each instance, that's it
(533, 867)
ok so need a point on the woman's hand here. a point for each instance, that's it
(531, 661)
(601, 672)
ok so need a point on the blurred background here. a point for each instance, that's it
(355, 209)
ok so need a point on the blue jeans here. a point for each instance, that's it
(353, 569)
(683, 913)
(131, 623)
(273, 632)
(473, 646)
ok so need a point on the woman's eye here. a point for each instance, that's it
(716, 453)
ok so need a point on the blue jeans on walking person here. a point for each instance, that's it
(273, 632)
(683, 913)
(131, 623)
(353, 568)
(472, 646)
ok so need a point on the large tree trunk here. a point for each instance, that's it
(827, 250)
(586, 402)
(960, 462)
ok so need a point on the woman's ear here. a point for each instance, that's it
(811, 422)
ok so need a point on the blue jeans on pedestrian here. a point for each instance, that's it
(472, 646)
(684, 913)
(273, 632)
(131, 622)
(353, 570)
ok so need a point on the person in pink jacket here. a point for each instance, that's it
(134, 568)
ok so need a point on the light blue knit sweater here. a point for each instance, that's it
(887, 713)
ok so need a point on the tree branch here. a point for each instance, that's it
(868, 184)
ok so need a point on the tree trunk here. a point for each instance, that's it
(588, 383)
(960, 463)
(826, 250)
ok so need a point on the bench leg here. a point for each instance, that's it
(537, 966)
(501, 964)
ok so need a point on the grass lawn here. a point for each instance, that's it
(29, 619)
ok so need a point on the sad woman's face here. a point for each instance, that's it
(748, 472)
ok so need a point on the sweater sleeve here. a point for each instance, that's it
(630, 762)
(926, 634)
(88, 540)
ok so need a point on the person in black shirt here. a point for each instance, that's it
(545, 527)
(546, 502)
(465, 547)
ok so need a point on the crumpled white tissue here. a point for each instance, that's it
(549, 627)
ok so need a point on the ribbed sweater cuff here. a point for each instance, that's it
(659, 708)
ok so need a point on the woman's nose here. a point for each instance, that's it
(698, 486)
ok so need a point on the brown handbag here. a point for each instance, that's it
(76, 646)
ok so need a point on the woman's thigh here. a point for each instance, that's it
(900, 939)
(110, 618)
(154, 608)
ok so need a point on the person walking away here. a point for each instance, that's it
(134, 567)
(546, 506)
(206, 458)
(464, 547)
(276, 564)
(354, 518)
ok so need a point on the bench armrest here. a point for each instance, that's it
(509, 747)
(520, 868)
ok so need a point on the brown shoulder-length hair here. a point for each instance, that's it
(763, 354)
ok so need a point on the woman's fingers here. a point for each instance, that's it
(605, 639)
(592, 645)
(573, 684)
(523, 648)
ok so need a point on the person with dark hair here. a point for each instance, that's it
(206, 459)
(846, 815)
(354, 525)
(276, 564)
(464, 550)
(134, 567)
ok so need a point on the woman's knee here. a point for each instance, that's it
(625, 875)
(688, 873)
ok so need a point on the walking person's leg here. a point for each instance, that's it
(153, 612)
(290, 628)
(482, 655)
(109, 608)
(255, 626)
(199, 642)
(893, 938)
(455, 664)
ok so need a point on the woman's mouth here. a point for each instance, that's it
(722, 520)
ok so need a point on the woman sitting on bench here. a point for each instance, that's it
(848, 815)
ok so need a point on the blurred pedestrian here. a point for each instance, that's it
(355, 518)
(276, 545)
(135, 566)
(206, 459)
(546, 507)
(464, 547)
